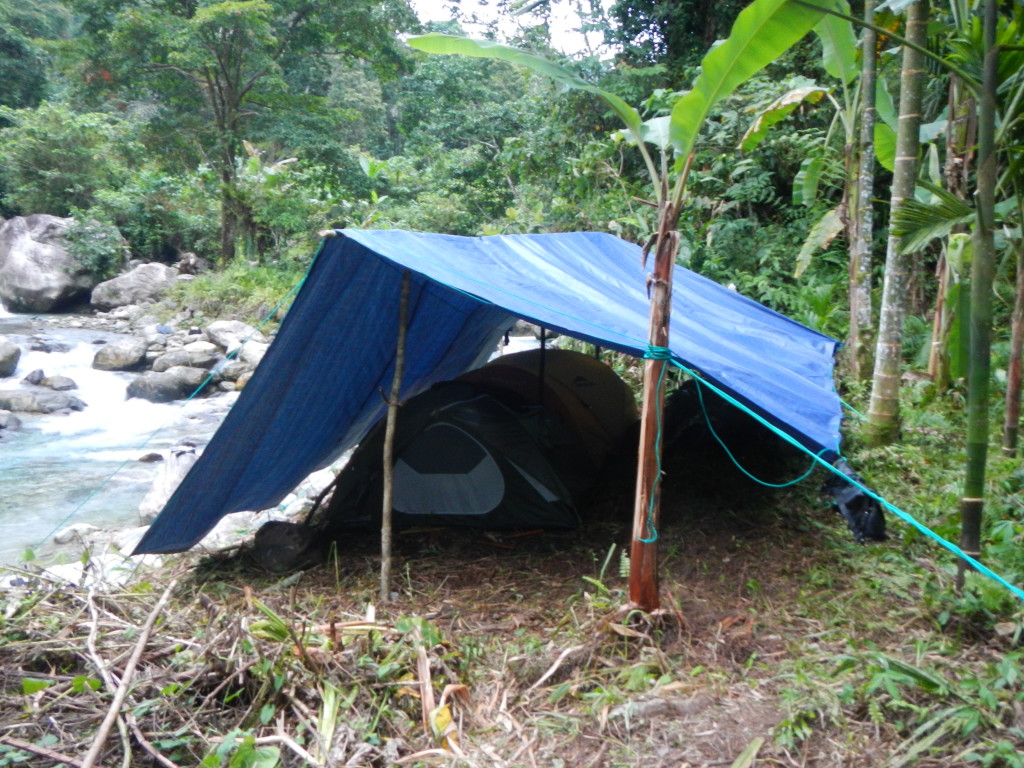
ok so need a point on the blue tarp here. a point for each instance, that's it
(318, 389)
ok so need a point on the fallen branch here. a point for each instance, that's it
(126, 678)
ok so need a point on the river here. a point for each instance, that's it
(83, 467)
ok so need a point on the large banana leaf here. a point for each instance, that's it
(838, 45)
(761, 33)
(776, 111)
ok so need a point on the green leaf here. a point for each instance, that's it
(885, 146)
(436, 42)
(821, 234)
(838, 46)
(82, 682)
(776, 111)
(761, 33)
(30, 685)
(917, 223)
(805, 183)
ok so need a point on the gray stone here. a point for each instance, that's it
(38, 401)
(202, 354)
(121, 355)
(176, 383)
(170, 359)
(147, 282)
(34, 377)
(9, 421)
(252, 353)
(58, 383)
(74, 532)
(229, 334)
(173, 470)
(37, 274)
(232, 370)
(10, 353)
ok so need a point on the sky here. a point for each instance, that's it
(564, 22)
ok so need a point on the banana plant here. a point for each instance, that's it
(761, 33)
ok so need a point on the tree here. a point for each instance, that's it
(222, 71)
(884, 411)
(23, 60)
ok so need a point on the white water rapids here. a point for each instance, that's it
(83, 467)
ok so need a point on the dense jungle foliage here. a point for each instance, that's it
(237, 129)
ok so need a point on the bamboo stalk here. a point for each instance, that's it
(389, 445)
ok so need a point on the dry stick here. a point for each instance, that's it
(109, 680)
(389, 445)
(126, 678)
(42, 751)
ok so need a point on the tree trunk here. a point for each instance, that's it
(643, 565)
(982, 277)
(1011, 421)
(884, 412)
(862, 219)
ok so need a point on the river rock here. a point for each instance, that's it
(10, 353)
(9, 421)
(38, 401)
(170, 359)
(232, 370)
(176, 383)
(37, 274)
(121, 355)
(229, 334)
(75, 532)
(58, 383)
(202, 354)
(34, 377)
(147, 282)
(252, 353)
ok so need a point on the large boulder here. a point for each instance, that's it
(122, 355)
(176, 383)
(37, 274)
(229, 334)
(147, 282)
(10, 353)
(38, 401)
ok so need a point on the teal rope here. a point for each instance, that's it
(853, 410)
(106, 481)
(907, 518)
(740, 467)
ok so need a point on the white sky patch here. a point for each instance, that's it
(564, 20)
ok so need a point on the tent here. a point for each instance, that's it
(317, 391)
(510, 445)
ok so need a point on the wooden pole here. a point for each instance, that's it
(643, 562)
(389, 445)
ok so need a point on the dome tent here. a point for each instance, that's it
(509, 445)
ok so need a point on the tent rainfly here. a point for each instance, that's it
(317, 391)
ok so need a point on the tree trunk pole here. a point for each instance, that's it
(389, 445)
(643, 561)
(1011, 420)
(883, 424)
(862, 224)
(982, 276)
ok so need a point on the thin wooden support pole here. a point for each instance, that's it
(389, 445)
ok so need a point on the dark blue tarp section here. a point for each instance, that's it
(318, 389)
